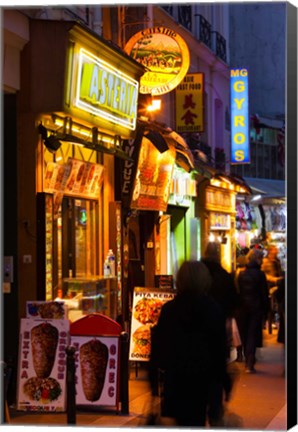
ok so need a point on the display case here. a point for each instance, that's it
(88, 295)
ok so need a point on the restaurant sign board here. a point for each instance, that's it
(42, 365)
(190, 103)
(105, 92)
(164, 53)
(153, 178)
(147, 304)
(97, 366)
(240, 145)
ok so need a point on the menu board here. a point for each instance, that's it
(75, 178)
(97, 362)
(42, 365)
(164, 281)
(147, 304)
(153, 178)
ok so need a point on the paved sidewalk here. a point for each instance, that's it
(258, 401)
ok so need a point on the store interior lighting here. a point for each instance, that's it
(256, 198)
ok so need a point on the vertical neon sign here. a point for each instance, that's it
(240, 151)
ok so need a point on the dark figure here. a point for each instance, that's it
(224, 292)
(271, 266)
(223, 289)
(189, 347)
(254, 305)
(280, 298)
(241, 265)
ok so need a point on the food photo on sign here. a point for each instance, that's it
(147, 304)
(42, 364)
(97, 362)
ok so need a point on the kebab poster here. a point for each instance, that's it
(147, 304)
(42, 364)
(97, 362)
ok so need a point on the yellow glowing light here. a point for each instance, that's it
(211, 237)
(155, 106)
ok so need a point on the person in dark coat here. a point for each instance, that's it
(189, 346)
(223, 288)
(224, 292)
(254, 297)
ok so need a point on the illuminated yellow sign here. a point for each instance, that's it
(189, 104)
(104, 91)
(166, 56)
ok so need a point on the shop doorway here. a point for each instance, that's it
(177, 248)
(67, 242)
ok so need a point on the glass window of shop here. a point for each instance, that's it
(75, 224)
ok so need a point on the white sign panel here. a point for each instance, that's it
(97, 360)
(42, 365)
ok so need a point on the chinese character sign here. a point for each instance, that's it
(189, 104)
(239, 117)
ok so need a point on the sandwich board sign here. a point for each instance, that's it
(147, 304)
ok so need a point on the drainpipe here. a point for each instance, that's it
(97, 20)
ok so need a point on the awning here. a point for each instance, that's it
(266, 122)
(268, 188)
(184, 156)
(162, 137)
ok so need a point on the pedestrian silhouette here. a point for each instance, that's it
(189, 346)
(253, 291)
(271, 266)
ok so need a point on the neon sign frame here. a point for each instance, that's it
(115, 109)
(240, 139)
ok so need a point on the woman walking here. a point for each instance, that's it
(254, 300)
(189, 345)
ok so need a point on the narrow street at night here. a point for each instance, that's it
(149, 215)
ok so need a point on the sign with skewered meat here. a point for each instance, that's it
(97, 360)
(147, 304)
(42, 365)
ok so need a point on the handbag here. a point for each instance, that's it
(236, 339)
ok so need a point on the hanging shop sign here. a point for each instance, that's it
(189, 104)
(147, 304)
(217, 199)
(153, 178)
(42, 364)
(105, 91)
(240, 149)
(166, 56)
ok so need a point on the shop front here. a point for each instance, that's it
(156, 192)
(77, 105)
(262, 218)
(216, 210)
